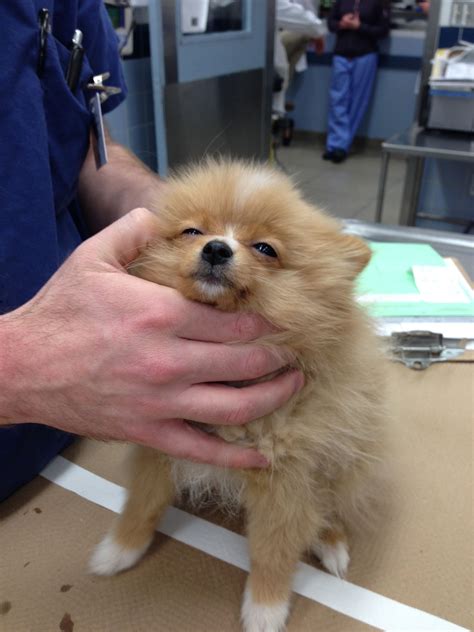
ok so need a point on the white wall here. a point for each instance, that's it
(445, 12)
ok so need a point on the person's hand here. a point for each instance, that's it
(353, 21)
(346, 21)
(101, 353)
(318, 45)
(350, 21)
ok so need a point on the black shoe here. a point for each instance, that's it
(287, 131)
(338, 155)
(328, 155)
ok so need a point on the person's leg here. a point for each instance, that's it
(363, 76)
(295, 45)
(339, 102)
(278, 103)
(281, 66)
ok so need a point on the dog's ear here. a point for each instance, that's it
(355, 251)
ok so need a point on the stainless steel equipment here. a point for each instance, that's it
(216, 86)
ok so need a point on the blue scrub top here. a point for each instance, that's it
(44, 138)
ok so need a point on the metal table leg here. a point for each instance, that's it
(381, 189)
(411, 191)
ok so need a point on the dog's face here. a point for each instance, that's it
(240, 237)
(224, 255)
(224, 264)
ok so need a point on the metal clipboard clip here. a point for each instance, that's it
(419, 349)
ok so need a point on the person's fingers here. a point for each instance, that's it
(177, 438)
(214, 362)
(225, 405)
(207, 324)
(121, 242)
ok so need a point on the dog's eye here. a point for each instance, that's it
(265, 249)
(191, 231)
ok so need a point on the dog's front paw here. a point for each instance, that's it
(334, 556)
(110, 557)
(259, 617)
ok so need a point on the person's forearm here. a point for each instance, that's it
(378, 31)
(124, 183)
(8, 369)
(381, 28)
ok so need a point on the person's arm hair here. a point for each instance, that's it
(8, 343)
(381, 28)
(122, 184)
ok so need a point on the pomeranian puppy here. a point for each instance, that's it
(240, 237)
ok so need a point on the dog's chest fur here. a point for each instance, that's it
(205, 483)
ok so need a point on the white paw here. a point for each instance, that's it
(110, 557)
(263, 618)
(334, 557)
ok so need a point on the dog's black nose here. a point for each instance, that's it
(216, 252)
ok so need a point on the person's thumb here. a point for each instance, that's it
(121, 242)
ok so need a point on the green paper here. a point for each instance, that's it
(390, 273)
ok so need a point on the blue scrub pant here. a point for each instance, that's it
(349, 95)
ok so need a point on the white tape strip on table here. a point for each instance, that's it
(349, 599)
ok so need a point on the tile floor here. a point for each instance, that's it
(347, 190)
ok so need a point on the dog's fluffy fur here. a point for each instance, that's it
(325, 445)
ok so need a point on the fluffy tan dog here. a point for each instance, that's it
(240, 237)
